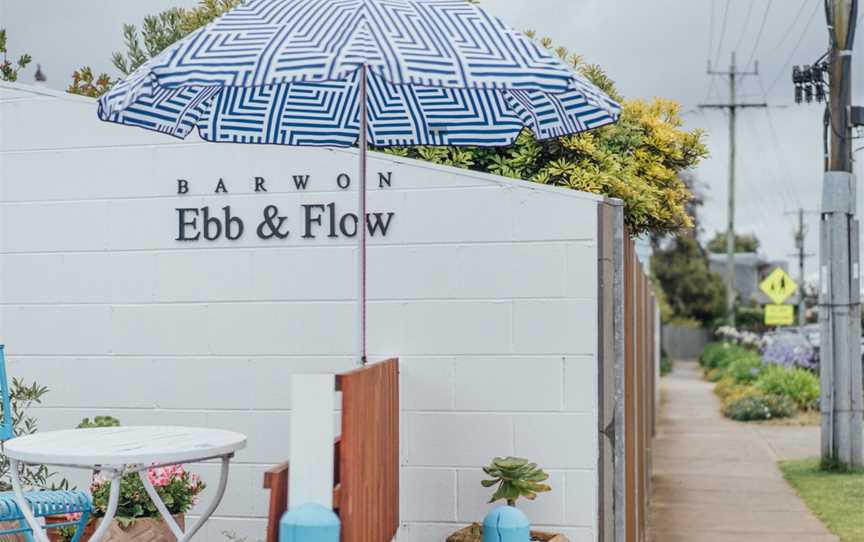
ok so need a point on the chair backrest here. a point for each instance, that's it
(6, 426)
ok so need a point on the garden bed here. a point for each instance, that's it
(756, 382)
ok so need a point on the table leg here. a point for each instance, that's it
(32, 522)
(113, 499)
(205, 515)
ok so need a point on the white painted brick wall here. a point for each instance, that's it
(484, 287)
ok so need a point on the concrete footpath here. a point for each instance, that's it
(717, 480)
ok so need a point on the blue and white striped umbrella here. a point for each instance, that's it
(440, 72)
(295, 72)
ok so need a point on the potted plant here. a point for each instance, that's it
(137, 517)
(512, 477)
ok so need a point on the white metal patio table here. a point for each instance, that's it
(115, 451)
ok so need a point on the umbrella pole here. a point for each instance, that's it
(361, 216)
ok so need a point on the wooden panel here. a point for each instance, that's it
(639, 415)
(276, 480)
(639, 387)
(369, 453)
(629, 391)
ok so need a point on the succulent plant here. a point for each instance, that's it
(515, 477)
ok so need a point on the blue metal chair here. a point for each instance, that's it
(43, 503)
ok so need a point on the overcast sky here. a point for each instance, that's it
(657, 48)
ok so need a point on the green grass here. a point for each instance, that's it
(837, 499)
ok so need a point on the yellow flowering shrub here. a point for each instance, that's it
(638, 160)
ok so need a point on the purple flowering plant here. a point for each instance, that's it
(789, 352)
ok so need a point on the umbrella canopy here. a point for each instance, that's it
(440, 72)
(321, 72)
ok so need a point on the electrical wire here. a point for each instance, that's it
(710, 48)
(745, 25)
(801, 37)
(711, 31)
(788, 31)
(759, 33)
(780, 189)
(722, 32)
(778, 150)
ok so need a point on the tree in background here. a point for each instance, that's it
(691, 290)
(8, 68)
(743, 243)
(158, 32)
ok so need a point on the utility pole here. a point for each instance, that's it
(732, 106)
(800, 235)
(840, 290)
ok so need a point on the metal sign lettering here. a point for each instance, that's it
(317, 219)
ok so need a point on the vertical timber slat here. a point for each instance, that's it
(640, 366)
(629, 391)
(369, 453)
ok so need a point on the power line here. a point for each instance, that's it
(785, 35)
(776, 187)
(711, 30)
(745, 25)
(759, 33)
(722, 31)
(795, 49)
(778, 149)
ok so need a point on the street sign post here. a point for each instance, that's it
(779, 286)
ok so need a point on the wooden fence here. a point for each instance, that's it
(628, 364)
(639, 384)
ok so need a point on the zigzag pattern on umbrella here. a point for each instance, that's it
(433, 42)
(440, 72)
(327, 114)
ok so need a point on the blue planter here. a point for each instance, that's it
(309, 523)
(506, 524)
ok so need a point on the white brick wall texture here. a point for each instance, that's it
(484, 287)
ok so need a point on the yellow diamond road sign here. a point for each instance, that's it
(778, 285)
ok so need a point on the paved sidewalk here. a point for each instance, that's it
(717, 480)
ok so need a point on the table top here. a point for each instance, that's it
(124, 445)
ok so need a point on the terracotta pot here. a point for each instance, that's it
(474, 533)
(141, 530)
